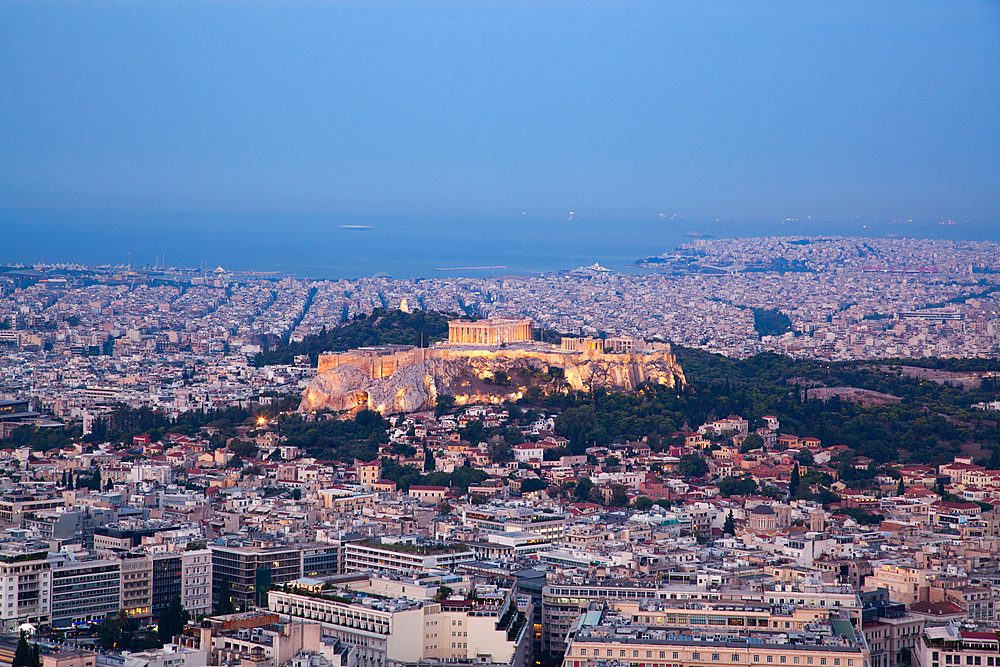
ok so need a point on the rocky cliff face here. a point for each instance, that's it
(461, 373)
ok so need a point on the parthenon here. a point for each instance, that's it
(494, 331)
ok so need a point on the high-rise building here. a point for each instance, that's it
(250, 571)
(85, 588)
(25, 587)
(166, 583)
(137, 584)
(196, 581)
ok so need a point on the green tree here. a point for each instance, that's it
(533, 484)
(172, 620)
(793, 485)
(642, 503)
(752, 442)
(900, 488)
(737, 486)
(442, 593)
(500, 452)
(805, 457)
(22, 655)
(428, 460)
(619, 496)
(117, 630)
(692, 465)
(729, 527)
(583, 487)
(444, 403)
(36, 655)
(595, 496)
(296, 494)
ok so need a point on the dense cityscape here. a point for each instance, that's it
(166, 503)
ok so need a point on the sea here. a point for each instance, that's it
(327, 246)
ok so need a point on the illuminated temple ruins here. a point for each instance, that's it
(494, 331)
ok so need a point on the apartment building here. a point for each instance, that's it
(196, 581)
(25, 587)
(487, 630)
(14, 506)
(252, 570)
(907, 584)
(85, 588)
(137, 585)
(404, 557)
(949, 645)
(890, 632)
(166, 585)
(506, 520)
(599, 640)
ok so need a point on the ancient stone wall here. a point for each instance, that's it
(411, 380)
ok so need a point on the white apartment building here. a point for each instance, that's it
(387, 633)
(196, 581)
(25, 589)
(404, 559)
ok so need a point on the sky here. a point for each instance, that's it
(743, 110)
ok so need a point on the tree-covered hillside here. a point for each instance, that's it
(932, 423)
(382, 327)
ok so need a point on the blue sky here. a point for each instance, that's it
(745, 110)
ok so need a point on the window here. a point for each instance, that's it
(782, 659)
(968, 659)
(649, 654)
(809, 660)
(696, 656)
(836, 661)
(770, 658)
(676, 655)
(795, 660)
(635, 654)
(610, 652)
(663, 654)
(736, 657)
(715, 656)
(756, 658)
(822, 661)
(622, 654)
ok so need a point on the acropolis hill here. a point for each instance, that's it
(402, 378)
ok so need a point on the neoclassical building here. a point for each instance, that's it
(763, 518)
(493, 331)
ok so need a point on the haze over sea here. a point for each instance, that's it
(337, 246)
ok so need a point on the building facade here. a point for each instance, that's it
(84, 590)
(196, 581)
(493, 331)
(404, 559)
(137, 585)
(25, 587)
(250, 571)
